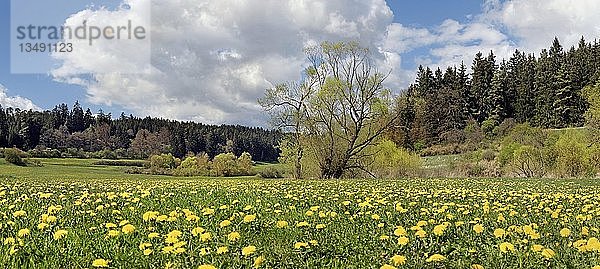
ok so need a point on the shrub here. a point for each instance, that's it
(530, 161)
(270, 172)
(488, 155)
(225, 164)
(15, 156)
(391, 161)
(121, 163)
(571, 155)
(163, 161)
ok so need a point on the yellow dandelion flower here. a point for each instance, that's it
(153, 235)
(477, 266)
(537, 248)
(281, 224)
(197, 231)
(23, 232)
(147, 252)
(506, 247)
(400, 231)
(222, 250)
(100, 263)
(249, 218)
(402, 240)
(224, 223)
(299, 245)
(205, 236)
(435, 258)
(387, 266)
(565, 232)
(249, 250)
(548, 253)
(233, 236)
(478, 228)
(398, 260)
(128, 229)
(206, 266)
(320, 226)
(499, 232)
(60, 234)
(259, 261)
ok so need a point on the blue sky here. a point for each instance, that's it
(213, 59)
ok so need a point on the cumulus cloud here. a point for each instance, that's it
(16, 101)
(211, 60)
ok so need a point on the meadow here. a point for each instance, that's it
(73, 214)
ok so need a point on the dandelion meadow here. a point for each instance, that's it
(250, 223)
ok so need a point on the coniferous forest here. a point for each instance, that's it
(543, 90)
(75, 132)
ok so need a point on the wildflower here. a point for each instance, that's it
(281, 224)
(400, 231)
(128, 229)
(153, 235)
(206, 266)
(100, 263)
(320, 226)
(499, 232)
(233, 236)
(60, 234)
(477, 266)
(205, 236)
(548, 253)
(224, 223)
(19, 213)
(23, 232)
(258, 261)
(565, 232)
(398, 260)
(387, 266)
(299, 245)
(249, 250)
(402, 240)
(506, 247)
(249, 218)
(478, 228)
(222, 250)
(198, 230)
(435, 258)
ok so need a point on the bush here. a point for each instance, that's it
(529, 161)
(392, 162)
(163, 161)
(270, 172)
(121, 163)
(15, 156)
(488, 155)
(571, 155)
(194, 166)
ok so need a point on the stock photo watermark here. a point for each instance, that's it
(47, 34)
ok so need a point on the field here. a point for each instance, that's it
(72, 214)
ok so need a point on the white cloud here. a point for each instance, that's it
(211, 60)
(16, 101)
(535, 23)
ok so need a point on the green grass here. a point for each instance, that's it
(360, 218)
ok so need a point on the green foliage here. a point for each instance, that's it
(271, 172)
(572, 155)
(14, 156)
(393, 162)
(163, 161)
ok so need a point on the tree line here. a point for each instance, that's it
(544, 91)
(75, 131)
